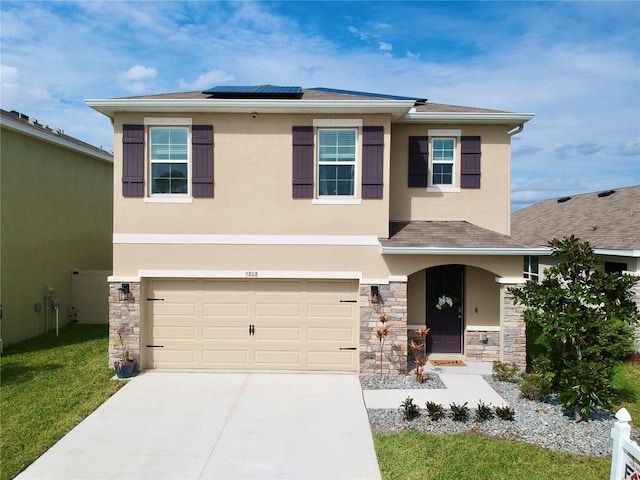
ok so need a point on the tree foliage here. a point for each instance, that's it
(586, 321)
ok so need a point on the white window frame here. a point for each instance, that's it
(168, 122)
(445, 134)
(527, 272)
(338, 124)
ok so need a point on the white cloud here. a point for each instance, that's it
(134, 79)
(207, 80)
(385, 47)
(630, 148)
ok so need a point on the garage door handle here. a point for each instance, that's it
(155, 346)
(348, 348)
(155, 299)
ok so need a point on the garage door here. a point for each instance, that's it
(254, 324)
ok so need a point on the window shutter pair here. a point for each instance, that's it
(372, 161)
(418, 171)
(133, 160)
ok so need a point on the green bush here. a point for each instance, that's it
(409, 409)
(505, 413)
(435, 411)
(459, 413)
(534, 386)
(505, 372)
(484, 412)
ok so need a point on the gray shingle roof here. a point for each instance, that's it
(445, 234)
(607, 222)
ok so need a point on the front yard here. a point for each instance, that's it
(49, 384)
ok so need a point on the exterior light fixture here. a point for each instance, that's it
(375, 294)
(123, 292)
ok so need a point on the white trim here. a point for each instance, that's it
(441, 132)
(443, 188)
(464, 251)
(336, 201)
(168, 121)
(339, 122)
(374, 281)
(122, 279)
(156, 198)
(629, 272)
(511, 280)
(616, 253)
(51, 137)
(196, 239)
(250, 274)
(483, 328)
(398, 278)
(466, 117)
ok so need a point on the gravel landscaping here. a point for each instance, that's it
(540, 423)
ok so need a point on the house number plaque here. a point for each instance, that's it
(251, 274)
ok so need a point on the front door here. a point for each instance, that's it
(444, 309)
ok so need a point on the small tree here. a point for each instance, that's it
(586, 322)
(381, 333)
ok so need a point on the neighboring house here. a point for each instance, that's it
(56, 227)
(269, 227)
(609, 220)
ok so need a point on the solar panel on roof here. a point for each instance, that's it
(254, 91)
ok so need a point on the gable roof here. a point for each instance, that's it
(276, 99)
(609, 221)
(451, 237)
(29, 126)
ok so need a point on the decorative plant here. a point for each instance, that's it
(409, 409)
(419, 353)
(381, 333)
(585, 318)
(505, 372)
(435, 411)
(459, 413)
(484, 412)
(505, 413)
(444, 302)
(126, 358)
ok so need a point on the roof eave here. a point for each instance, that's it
(109, 107)
(500, 251)
(511, 119)
(614, 252)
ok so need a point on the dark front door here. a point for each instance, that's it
(444, 309)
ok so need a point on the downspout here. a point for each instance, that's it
(518, 130)
(511, 133)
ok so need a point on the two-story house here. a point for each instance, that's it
(269, 227)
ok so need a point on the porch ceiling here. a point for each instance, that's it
(451, 237)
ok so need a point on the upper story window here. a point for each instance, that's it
(531, 270)
(443, 160)
(336, 162)
(169, 160)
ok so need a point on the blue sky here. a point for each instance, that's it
(576, 65)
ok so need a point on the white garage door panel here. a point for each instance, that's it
(295, 324)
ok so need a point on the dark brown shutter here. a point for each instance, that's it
(470, 159)
(372, 161)
(418, 161)
(202, 151)
(133, 160)
(302, 162)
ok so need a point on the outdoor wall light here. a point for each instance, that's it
(123, 292)
(375, 294)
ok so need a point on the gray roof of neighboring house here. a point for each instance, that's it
(446, 234)
(610, 222)
(29, 125)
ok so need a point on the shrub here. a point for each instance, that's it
(435, 411)
(484, 412)
(409, 409)
(505, 372)
(459, 413)
(534, 386)
(505, 413)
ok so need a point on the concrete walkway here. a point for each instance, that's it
(206, 425)
(464, 384)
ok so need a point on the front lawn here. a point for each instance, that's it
(48, 385)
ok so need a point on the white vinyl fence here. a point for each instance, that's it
(625, 460)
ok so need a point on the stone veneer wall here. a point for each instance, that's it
(514, 340)
(478, 349)
(124, 316)
(393, 303)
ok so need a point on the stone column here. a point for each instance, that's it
(514, 340)
(124, 319)
(393, 304)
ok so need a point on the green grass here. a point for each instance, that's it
(626, 379)
(48, 385)
(422, 456)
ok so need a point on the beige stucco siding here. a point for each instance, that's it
(486, 207)
(252, 185)
(481, 291)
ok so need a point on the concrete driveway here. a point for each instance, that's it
(169, 425)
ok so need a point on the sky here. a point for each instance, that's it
(575, 65)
